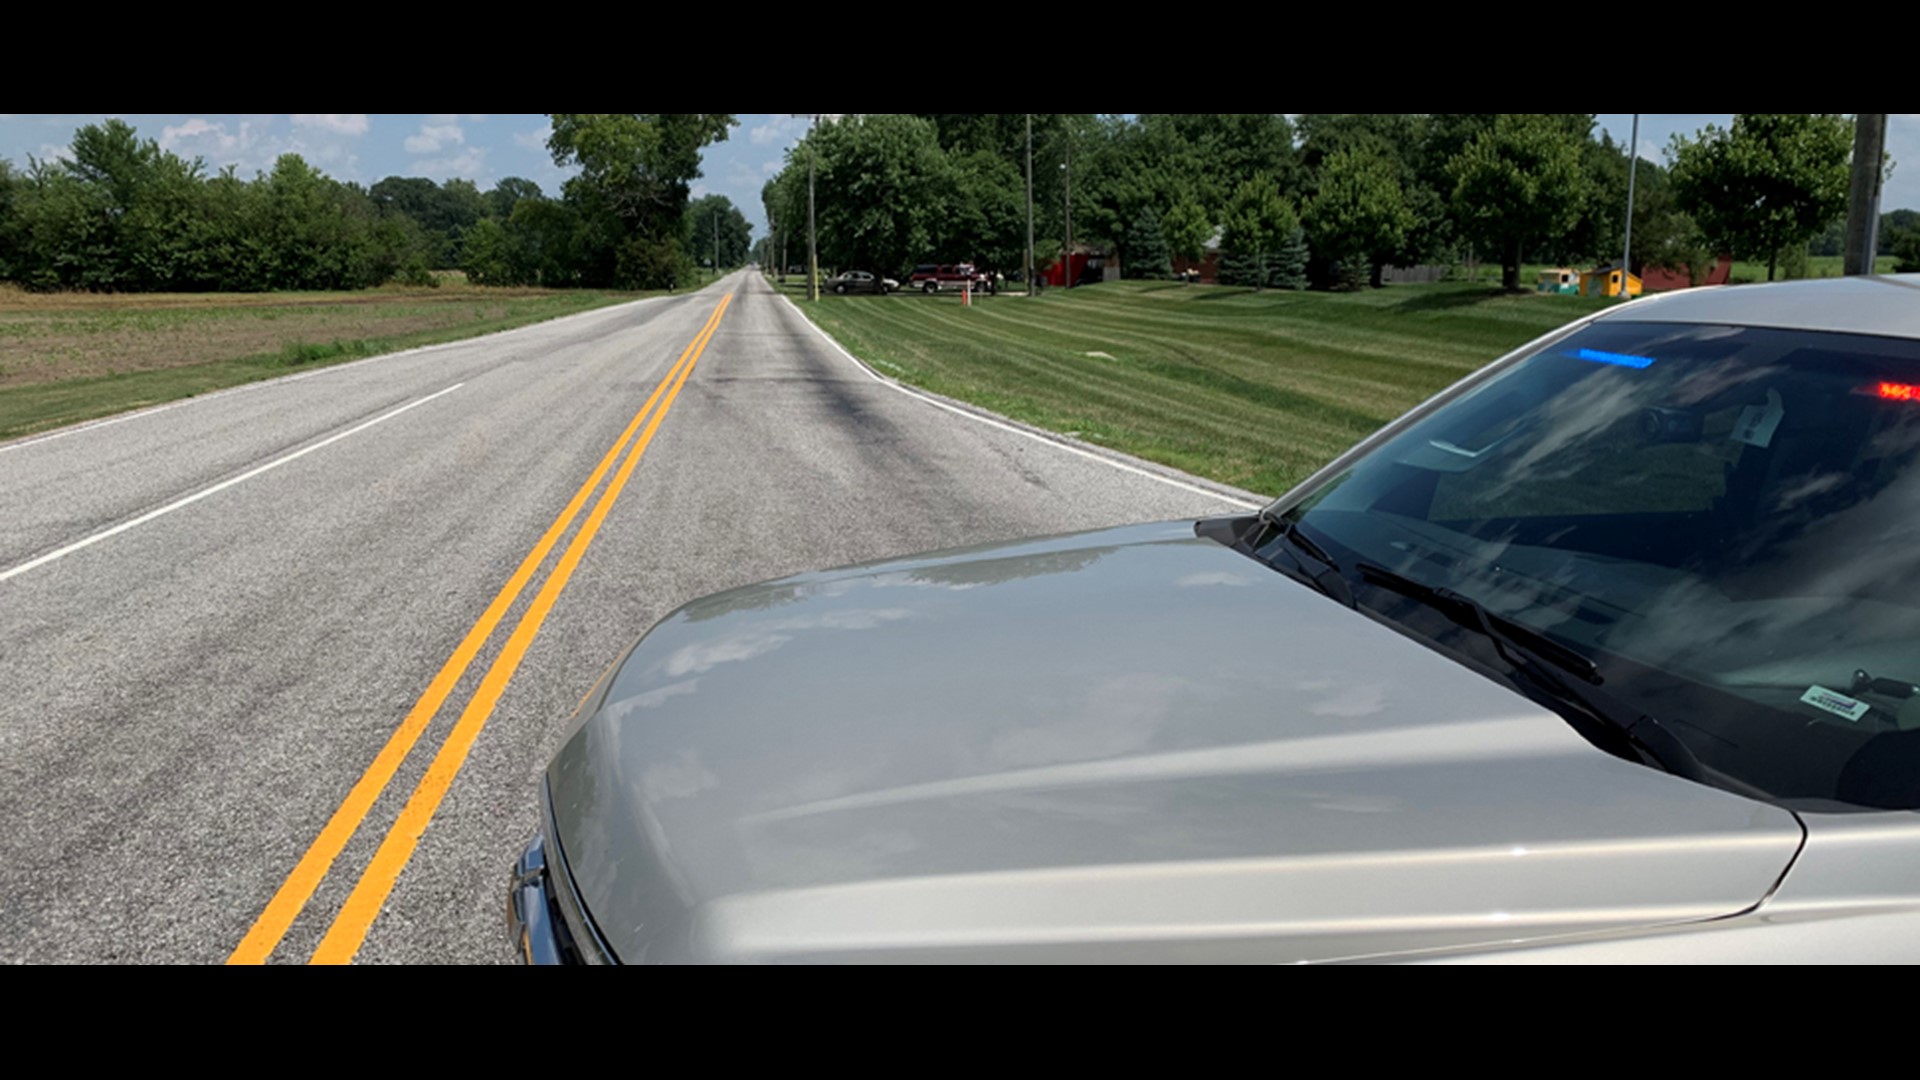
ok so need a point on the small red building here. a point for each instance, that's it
(1660, 279)
(1089, 267)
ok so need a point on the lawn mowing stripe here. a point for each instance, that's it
(1254, 389)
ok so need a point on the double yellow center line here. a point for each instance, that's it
(350, 925)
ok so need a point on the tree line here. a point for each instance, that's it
(122, 214)
(1329, 199)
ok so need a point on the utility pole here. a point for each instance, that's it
(716, 241)
(1028, 271)
(1863, 191)
(1633, 163)
(1066, 261)
(813, 251)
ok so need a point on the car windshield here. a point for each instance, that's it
(1725, 520)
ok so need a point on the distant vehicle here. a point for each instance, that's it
(933, 277)
(860, 281)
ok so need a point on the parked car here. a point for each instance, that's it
(933, 277)
(860, 281)
(1610, 652)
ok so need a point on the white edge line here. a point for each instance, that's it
(221, 486)
(282, 380)
(1003, 426)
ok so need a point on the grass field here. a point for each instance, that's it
(1818, 266)
(68, 357)
(1253, 389)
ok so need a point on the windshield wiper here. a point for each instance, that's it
(1328, 579)
(1506, 634)
(1544, 664)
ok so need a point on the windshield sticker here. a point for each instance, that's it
(1757, 424)
(1617, 359)
(1835, 702)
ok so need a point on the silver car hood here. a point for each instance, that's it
(1133, 744)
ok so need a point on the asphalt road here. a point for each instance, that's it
(214, 615)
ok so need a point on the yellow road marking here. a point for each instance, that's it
(349, 929)
(292, 896)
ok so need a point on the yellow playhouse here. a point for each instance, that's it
(1606, 282)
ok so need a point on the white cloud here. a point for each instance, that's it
(455, 118)
(199, 137)
(433, 138)
(338, 123)
(53, 151)
(470, 163)
(783, 129)
(534, 140)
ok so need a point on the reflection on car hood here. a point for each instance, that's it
(1133, 744)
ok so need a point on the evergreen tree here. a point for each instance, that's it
(1287, 266)
(1147, 255)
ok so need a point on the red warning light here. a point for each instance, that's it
(1894, 391)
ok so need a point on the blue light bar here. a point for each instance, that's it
(1620, 359)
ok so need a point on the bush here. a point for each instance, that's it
(1906, 248)
(415, 272)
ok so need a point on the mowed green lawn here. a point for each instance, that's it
(1252, 389)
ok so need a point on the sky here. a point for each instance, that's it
(487, 147)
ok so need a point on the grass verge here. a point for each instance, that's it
(70, 358)
(1251, 389)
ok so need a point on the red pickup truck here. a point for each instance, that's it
(932, 277)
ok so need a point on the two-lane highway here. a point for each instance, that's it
(279, 667)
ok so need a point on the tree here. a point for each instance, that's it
(1219, 150)
(507, 193)
(1147, 255)
(1900, 238)
(883, 188)
(444, 212)
(1260, 241)
(1359, 216)
(1123, 165)
(1518, 183)
(635, 170)
(1896, 221)
(126, 209)
(122, 213)
(1768, 184)
(8, 220)
(1402, 141)
(1187, 229)
(987, 218)
(711, 214)
(1003, 135)
(487, 257)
